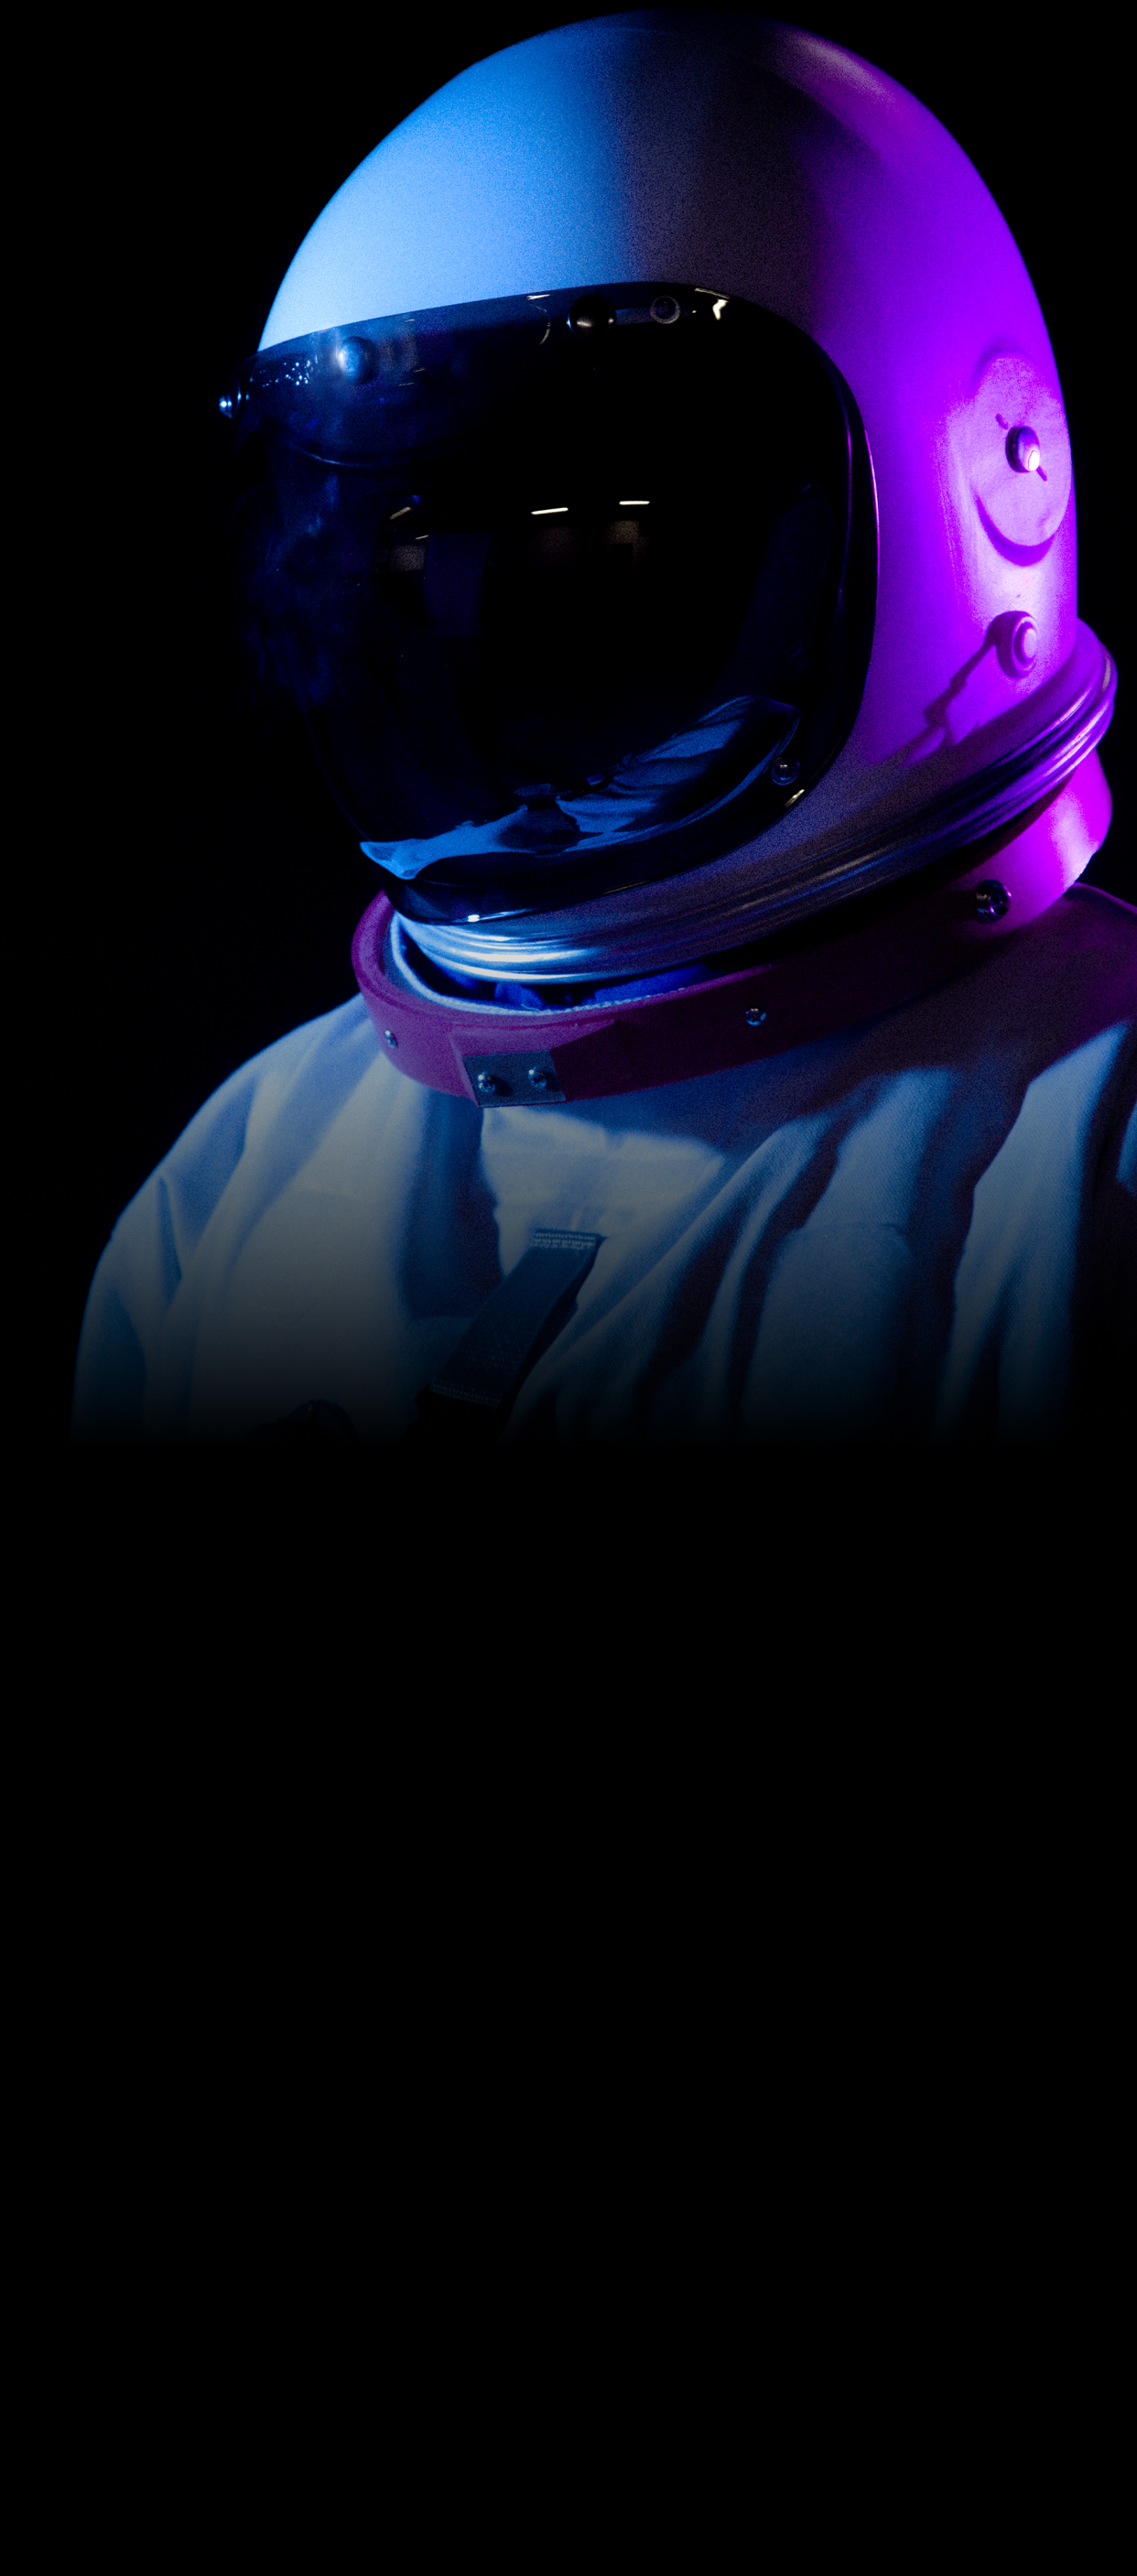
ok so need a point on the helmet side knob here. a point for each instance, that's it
(1024, 450)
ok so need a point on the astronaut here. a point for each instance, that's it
(659, 502)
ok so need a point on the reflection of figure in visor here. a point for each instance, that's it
(654, 489)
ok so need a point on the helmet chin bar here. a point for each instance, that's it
(931, 814)
(869, 956)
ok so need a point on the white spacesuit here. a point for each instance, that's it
(663, 515)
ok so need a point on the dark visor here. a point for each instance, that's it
(573, 589)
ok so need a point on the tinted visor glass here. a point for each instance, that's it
(556, 578)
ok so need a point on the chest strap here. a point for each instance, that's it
(472, 1394)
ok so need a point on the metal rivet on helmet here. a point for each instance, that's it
(1017, 642)
(1024, 451)
(592, 313)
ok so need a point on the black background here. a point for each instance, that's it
(217, 883)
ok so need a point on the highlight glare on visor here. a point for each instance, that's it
(562, 583)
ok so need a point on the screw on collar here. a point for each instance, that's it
(991, 900)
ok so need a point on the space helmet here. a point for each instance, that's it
(659, 502)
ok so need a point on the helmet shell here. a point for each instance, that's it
(754, 159)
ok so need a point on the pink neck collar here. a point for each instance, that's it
(847, 969)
